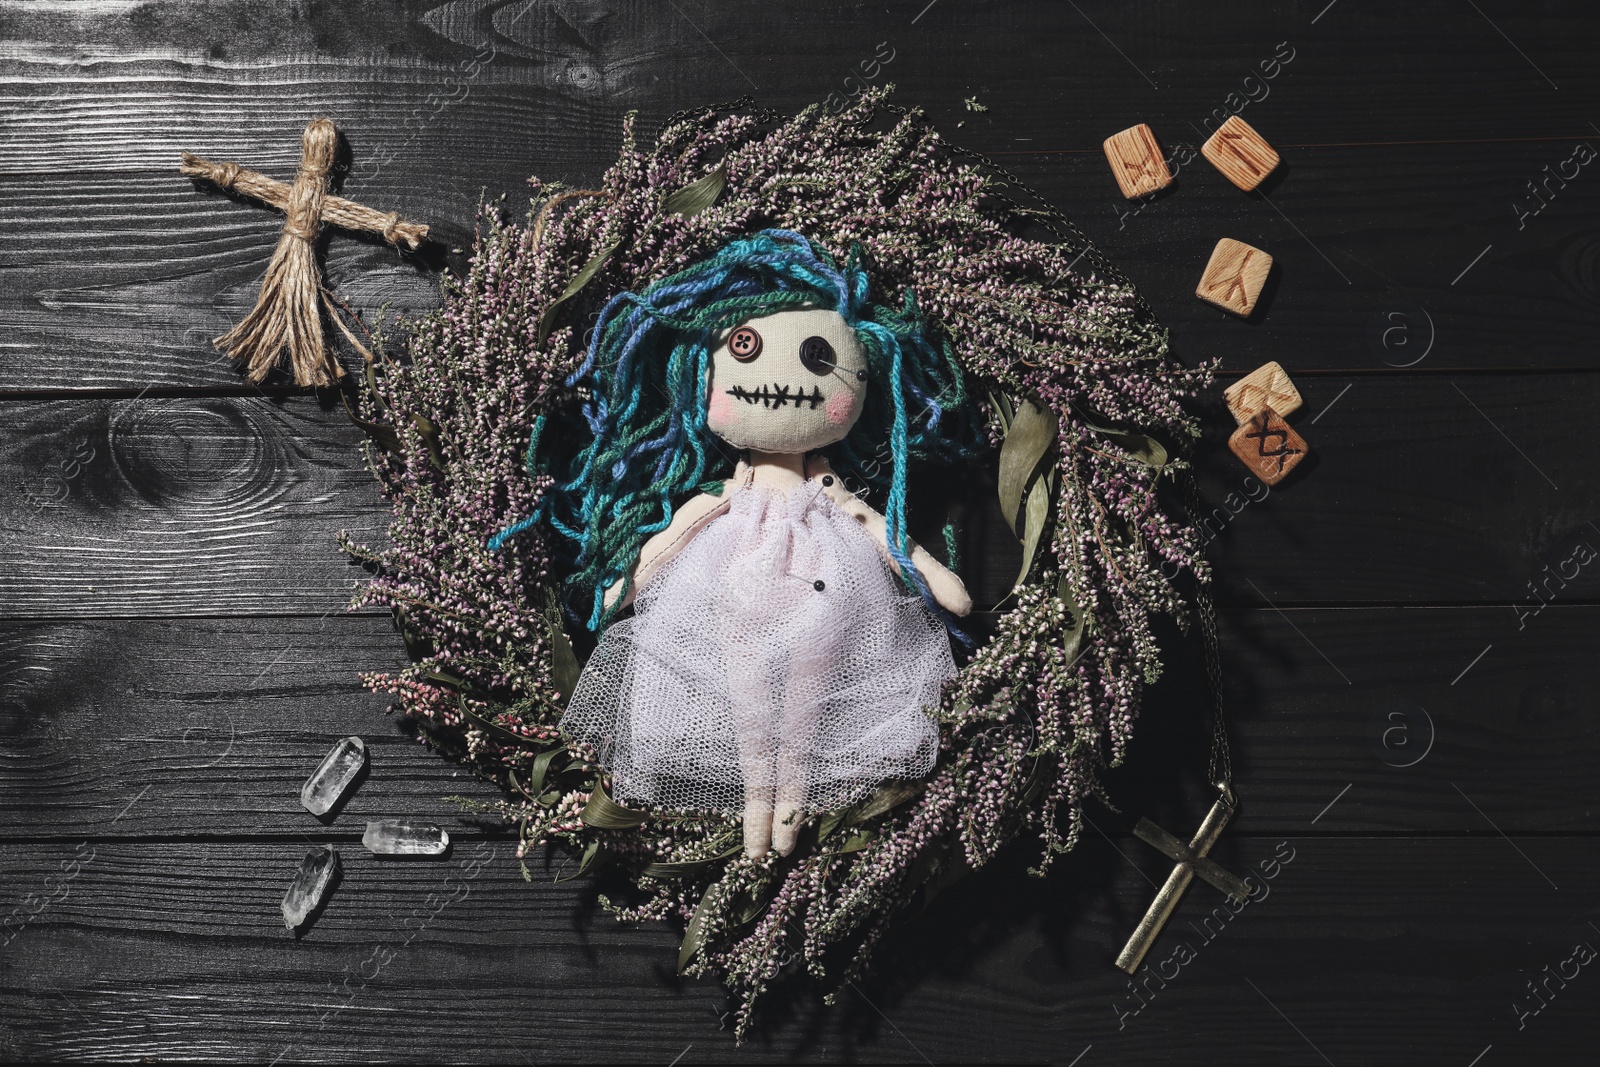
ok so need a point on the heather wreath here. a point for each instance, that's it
(1073, 376)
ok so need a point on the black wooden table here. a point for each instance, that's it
(1408, 647)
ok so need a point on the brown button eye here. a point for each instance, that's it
(816, 355)
(745, 344)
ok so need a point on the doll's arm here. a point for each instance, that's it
(688, 520)
(946, 587)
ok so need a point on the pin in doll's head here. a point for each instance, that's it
(788, 382)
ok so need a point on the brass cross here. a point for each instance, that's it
(1191, 861)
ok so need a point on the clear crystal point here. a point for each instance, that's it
(396, 837)
(333, 775)
(310, 886)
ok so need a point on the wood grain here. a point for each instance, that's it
(205, 726)
(181, 506)
(132, 298)
(171, 588)
(208, 505)
(175, 728)
(1406, 969)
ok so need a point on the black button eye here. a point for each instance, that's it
(745, 344)
(817, 356)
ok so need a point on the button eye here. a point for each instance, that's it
(816, 355)
(745, 344)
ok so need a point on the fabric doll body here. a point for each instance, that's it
(775, 663)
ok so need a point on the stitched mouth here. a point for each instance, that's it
(778, 396)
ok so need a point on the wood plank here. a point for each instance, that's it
(208, 726)
(126, 91)
(122, 279)
(189, 505)
(1419, 490)
(1374, 950)
(1372, 220)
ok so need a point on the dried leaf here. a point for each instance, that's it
(1003, 408)
(494, 730)
(857, 841)
(541, 768)
(1145, 449)
(591, 853)
(751, 903)
(384, 436)
(694, 937)
(590, 269)
(563, 661)
(890, 795)
(430, 438)
(1031, 433)
(695, 198)
(1071, 640)
(1036, 515)
(684, 868)
(603, 813)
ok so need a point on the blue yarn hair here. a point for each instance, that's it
(642, 457)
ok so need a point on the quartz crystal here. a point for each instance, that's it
(333, 776)
(396, 837)
(310, 886)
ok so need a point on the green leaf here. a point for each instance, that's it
(1031, 433)
(695, 198)
(384, 436)
(857, 841)
(494, 730)
(591, 853)
(1145, 449)
(563, 661)
(603, 813)
(448, 680)
(430, 438)
(889, 796)
(751, 903)
(1071, 640)
(684, 868)
(541, 767)
(1003, 408)
(372, 386)
(694, 938)
(590, 269)
(831, 822)
(1036, 514)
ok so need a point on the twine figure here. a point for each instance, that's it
(288, 312)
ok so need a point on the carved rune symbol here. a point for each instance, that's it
(1266, 431)
(1235, 284)
(1235, 143)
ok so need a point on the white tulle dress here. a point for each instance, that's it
(776, 652)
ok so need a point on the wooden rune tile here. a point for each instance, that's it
(1234, 276)
(1268, 386)
(1268, 446)
(1240, 153)
(1136, 161)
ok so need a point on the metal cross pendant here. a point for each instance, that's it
(1191, 861)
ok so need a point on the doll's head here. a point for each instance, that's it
(770, 345)
(791, 381)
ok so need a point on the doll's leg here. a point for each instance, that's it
(796, 749)
(752, 723)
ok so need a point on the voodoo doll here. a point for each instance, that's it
(788, 643)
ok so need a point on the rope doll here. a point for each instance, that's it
(789, 643)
